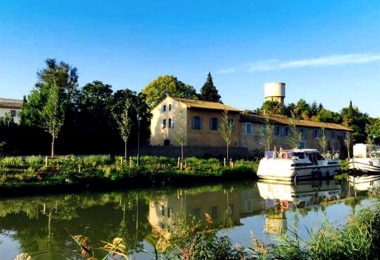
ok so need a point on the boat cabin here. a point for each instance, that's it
(366, 151)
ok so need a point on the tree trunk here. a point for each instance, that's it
(125, 150)
(52, 147)
(227, 151)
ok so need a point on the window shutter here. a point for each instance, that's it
(200, 123)
(210, 123)
(193, 122)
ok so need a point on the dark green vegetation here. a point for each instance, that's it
(36, 174)
(59, 117)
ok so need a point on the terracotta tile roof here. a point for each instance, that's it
(192, 103)
(277, 119)
(10, 103)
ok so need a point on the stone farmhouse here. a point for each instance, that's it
(11, 107)
(198, 121)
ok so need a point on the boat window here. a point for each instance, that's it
(299, 155)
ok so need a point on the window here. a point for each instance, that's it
(231, 122)
(163, 123)
(332, 134)
(13, 113)
(302, 145)
(277, 130)
(170, 212)
(213, 123)
(287, 131)
(303, 133)
(170, 123)
(197, 122)
(197, 212)
(163, 108)
(162, 210)
(248, 128)
(170, 107)
(344, 135)
(317, 133)
(214, 212)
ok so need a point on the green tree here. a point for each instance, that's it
(302, 110)
(267, 133)
(55, 74)
(209, 91)
(124, 124)
(323, 142)
(347, 141)
(353, 118)
(227, 126)
(373, 131)
(53, 114)
(295, 135)
(159, 88)
(97, 128)
(272, 108)
(180, 129)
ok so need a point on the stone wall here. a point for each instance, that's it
(194, 151)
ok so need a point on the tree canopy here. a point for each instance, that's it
(209, 91)
(157, 90)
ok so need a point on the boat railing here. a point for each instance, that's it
(374, 154)
(331, 155)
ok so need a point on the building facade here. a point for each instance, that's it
(252, 135)
(195, 121)
(11, 108)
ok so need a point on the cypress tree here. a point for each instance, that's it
(209, 91)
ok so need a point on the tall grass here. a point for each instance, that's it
(358, 239)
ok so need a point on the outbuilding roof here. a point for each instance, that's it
(10, 103)
(193, 103)
(283, 120)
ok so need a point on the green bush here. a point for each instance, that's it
(12, 162)
(34, 161)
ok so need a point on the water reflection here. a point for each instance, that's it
(43, 226)
(225, 206)
(280, 197)
(369, 183)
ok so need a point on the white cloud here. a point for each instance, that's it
(226, 71)
(333, 60)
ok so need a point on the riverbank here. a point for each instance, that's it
(39, 175)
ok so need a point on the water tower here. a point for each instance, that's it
(274, 91)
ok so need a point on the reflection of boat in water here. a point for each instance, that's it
(304, 194)
(280, 197)
(365, 182)
(296, 164)
(366, 158)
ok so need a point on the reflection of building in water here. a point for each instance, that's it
(280, 197)
(370, 183)
(218, 204)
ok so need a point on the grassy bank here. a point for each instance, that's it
(36, 174)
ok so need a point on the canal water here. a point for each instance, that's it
(44, 226)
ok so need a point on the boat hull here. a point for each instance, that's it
(290, 170)
(365, 165)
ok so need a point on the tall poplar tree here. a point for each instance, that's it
(209, 91)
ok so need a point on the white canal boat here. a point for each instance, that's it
(366, 158)
(297, 164)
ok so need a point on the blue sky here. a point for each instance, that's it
(325, 51)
